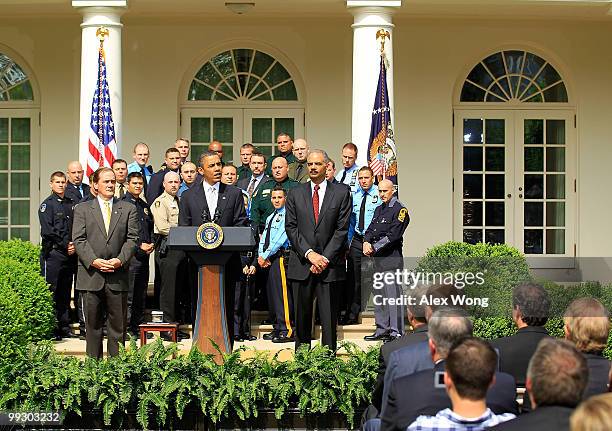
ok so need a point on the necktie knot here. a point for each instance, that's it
(317, 187)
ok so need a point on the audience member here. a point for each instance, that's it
(183, 146)
(140, 154)
(298, 169)
(189, 173)
(229, 174)
(594, 414)
(172, 162)
(217, 147)
(246, 151)
(348, 175)
(76, 189)
(330, 171)
(285, 150)
(121, 172)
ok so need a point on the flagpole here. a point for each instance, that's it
(101, 34)
(382, 34)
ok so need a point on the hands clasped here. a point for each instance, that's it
(104, 265)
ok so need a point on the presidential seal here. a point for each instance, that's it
(209, 236)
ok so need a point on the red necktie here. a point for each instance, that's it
(315, 203)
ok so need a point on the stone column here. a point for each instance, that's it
(97, 13)
(369, 17)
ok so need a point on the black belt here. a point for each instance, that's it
(358, 236)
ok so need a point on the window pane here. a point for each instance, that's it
(286, 91)
(21, 92)
(200, 130)
(4, 213)
(494, 186)
(198, 91)
(262, 63)
(494, 158)
(262, 130)
(20, 185)
(555, 241)
(472, 236)
(20, 212)
(4, 157)
(264, 96)
(555, 132)
(4, 135)
(284, 125)
(197, 151)
(276, 75)
(4, 234)
(224, 63)
(534, 132)
(472, 213)
(233, 85)
(209, 75)
(223, 88)
(534, 214)
(495, 131)
(223, 129)
(547, 77)
(555, 159)
(534, 186)
(472, 131)
(494, 214)
(265, 150)
(472, 186)
(533, 64)
(494, 236)
(471, 93)
(480, 76)
(557, 93)
(534, 241)
(514, 61)
(21, 233)
(555, 186)
(3, 185)
(20, 157)
(534, 160)
(228, 153)
(495, 64)
(20, 130)
(472, 158)
(555, 214)
(243, 59)
(220, 96)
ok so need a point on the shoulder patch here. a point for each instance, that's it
(43, 207)
(402, 214)
(157, 204)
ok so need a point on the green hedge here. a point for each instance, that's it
(21, 251)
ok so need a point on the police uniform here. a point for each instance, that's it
(156, 184)
(261, 205)
(146, 171)
(165, 210)
(299, 171)
(76, 193)
(364, 206)
(385, 234)
(349, 177)
(243, 171)
(139, 265)
(55, 215)
(274, 246)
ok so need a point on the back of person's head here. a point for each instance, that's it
(557, 374)
(533, 303)
(471, 364)
(416, 308)
(593, 414)
(587, 325)
(448, 326)
(440, 295)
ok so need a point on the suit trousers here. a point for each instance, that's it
(57, 269)
(242, 302)
(114, 304)
(139, 280)
(354, 277)
(281, 297)
(171, 265)
(304, 293)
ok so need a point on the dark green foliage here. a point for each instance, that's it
(21, 251)
(13, 324)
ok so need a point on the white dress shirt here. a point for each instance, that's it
(212, 195)
(322, 188)
(101, 201)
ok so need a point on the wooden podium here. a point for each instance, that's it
(211, 318)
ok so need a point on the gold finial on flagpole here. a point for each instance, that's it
(382, 34)
(101, 34)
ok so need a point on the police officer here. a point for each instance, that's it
(139, 265)
(165, 211)
(383, 240)
(172, 162)
(285, 150)
(75, 188)
(365, 202)
(272, 253)
(348, 175)
(57, 257)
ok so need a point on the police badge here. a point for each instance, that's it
(209, 236)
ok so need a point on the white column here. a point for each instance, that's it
(98, 13)
(369, 17)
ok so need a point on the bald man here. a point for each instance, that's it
(75, 189)
(298, 169)
(217, 147)
(383, 241)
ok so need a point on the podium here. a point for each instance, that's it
(211, 319)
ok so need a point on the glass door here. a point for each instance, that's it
(261, 126)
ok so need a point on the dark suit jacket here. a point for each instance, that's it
(545, 418)
(72, 192)
(156, 184)
(599, 369)
(417, 336)
(415, 395)
(91, 242)
(327, 237)
(193, 209)
(516, 351)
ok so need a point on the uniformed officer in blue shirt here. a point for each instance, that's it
(365, 202)
(272, 253)
(75, 188)
(57, 256)
(140, 153)
(348, 175)
(139, 264)
(383, 240)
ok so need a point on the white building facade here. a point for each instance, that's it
(501, 110)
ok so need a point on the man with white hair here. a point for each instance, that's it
(165, 211)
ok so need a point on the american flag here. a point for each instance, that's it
(381, 146)
(102, 143)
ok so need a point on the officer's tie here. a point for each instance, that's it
(144, 178)
(251, 187)
(268, 227)
(121, 192)
(361, 224)
(298, 170)
(107, 209)
(315, 203)
(343, 176)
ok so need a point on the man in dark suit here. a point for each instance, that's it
(212, 201)
(105, 233)
(530, 308)
(401, 407)
(317, 222)
(172, 162)
(556, 379)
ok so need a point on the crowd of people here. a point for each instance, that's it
(314, 225)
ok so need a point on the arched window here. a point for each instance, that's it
(14, 83)
(243, 75)
(514, 75)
